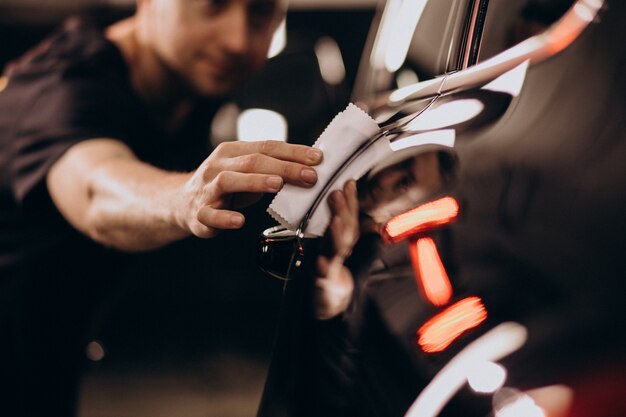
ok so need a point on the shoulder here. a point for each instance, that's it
(74, 83)
(77, 44)
(71, 87)
(69, 68)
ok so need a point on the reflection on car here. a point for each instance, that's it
(489, 273)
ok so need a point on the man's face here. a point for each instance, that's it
(400, 187)
(212, 45)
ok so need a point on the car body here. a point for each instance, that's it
(521, 279)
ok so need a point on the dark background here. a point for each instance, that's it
(195, 339)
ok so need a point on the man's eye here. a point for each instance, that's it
(402, 184)
(215, 6)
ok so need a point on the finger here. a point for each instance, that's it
(220, 219)
(337, 203)
(276, 149)
(346, 200)
(291, 172)
(341, 209)
(351, 196)
(229, 182)
(344, 225)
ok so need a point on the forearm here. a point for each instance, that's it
(105, 192)
(133, 206)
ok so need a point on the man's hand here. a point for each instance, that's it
(237, 174)
(104, 191)
(334, 283)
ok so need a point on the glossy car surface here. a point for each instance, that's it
(498, 289)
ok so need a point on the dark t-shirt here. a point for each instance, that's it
(54, 281)
(74, 86)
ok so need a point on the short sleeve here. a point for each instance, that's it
(58, 101)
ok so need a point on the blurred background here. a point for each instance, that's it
(195, 339)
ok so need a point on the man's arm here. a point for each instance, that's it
(104, 191)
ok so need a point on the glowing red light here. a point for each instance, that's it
(432, 277)
(422, 218)
(443, 329)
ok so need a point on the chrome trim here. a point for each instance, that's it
(473, 35)
(535, 49)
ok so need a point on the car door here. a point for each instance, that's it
(480, 288)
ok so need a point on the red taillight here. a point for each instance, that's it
(422, 218)
(443, 329)
(430, 272)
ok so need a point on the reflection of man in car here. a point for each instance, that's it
(395, 185)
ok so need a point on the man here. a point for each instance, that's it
(103, 152)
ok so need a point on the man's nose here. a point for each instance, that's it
(235, 30)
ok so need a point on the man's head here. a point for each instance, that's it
(405, 180)
(211, 45)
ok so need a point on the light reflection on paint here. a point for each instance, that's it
(279, 40)
(224, 124)
(403, 93)
(403, 29)
(445, 138)
(406, 77)
(584, 12)
(510, 82)
(261, 124)
(377, 59)
(432, 277)
(594, 4)
(554, 400)
(487, 377)
(494, 345)
(447, 114)
(443, 329)
(522, 406)
(422, 218)
(571, 25)
(536, 49)
(330, 61)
